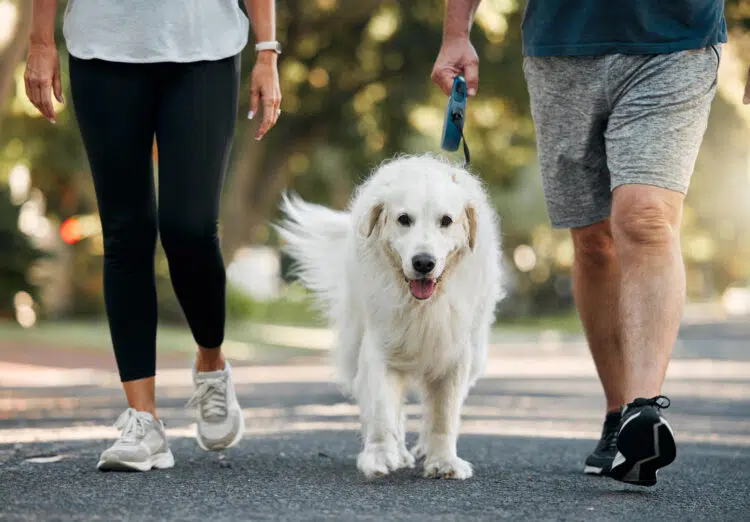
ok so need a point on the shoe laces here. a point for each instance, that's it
(133, 425)
(660, 401)
(609, 439)
(211, 398)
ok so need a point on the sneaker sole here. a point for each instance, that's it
(219, 447)
(644, 445)
(158, 461)
(596, 465)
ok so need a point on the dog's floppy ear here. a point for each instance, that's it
(471, 222)
(368, 225)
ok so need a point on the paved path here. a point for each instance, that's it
(527, 427)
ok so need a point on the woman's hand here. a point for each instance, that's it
(264, 88)
(42, 78)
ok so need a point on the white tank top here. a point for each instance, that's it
(140, 31)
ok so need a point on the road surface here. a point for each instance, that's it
(527, 428)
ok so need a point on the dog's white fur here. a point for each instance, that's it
(358, 262)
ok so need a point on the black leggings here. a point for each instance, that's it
(191, 108)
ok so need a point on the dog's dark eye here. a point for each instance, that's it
(404, 220)
(446, 221)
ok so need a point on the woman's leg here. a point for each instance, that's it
(195, 127)
(115, 108)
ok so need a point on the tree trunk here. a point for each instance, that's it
(261, 172)
(12, 52)
(255, 189)
(246, 171)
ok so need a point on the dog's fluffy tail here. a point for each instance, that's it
(315, 238)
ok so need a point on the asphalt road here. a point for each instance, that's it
(527, 428)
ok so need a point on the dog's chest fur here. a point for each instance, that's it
(427, 339)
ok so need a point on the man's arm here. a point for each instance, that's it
(459, 17)
(457, 55)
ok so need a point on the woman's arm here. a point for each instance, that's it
(265, 79)
(263, 19)
(42, 64)
(43, 22)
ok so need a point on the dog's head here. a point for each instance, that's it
(422, 213)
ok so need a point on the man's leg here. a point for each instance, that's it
(652, 139)
(645, 226)
(646, 230)
(596, 289)
(570, 110)
(660, 113)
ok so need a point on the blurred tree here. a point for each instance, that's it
(356, 85)
(356, 90)
(13, 38)
(738, 14)
(17, 254)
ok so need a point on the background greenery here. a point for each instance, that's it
(356, 89)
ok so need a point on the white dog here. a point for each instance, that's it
(409, 278)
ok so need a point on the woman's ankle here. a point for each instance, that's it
(209, 360)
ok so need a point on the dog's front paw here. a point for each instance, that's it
(419, 450)
(377, 460)
(447, 467)
(407, 459)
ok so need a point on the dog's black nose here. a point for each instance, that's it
(423, 263)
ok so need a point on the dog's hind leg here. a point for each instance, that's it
(380, 392)
(444, 397)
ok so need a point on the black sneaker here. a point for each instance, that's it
(601, 458)
(645, 442)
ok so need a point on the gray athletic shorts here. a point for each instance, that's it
(605, 121)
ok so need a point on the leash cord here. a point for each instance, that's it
(457, 116)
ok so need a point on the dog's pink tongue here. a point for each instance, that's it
(422, 288)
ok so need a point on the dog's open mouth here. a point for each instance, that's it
(422, 288)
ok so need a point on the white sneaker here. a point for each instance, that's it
(220, 420)
(142, 445)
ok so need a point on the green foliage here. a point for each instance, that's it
(738, 14)
(356, 89)
(293, 307)
(17, 254)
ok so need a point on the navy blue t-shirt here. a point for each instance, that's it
(596, 27)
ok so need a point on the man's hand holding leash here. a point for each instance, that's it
(457, 55)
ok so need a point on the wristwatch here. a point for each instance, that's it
(268, 46)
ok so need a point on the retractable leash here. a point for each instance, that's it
(455, 116)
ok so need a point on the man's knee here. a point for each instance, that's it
(645, 215)
(594, 245)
